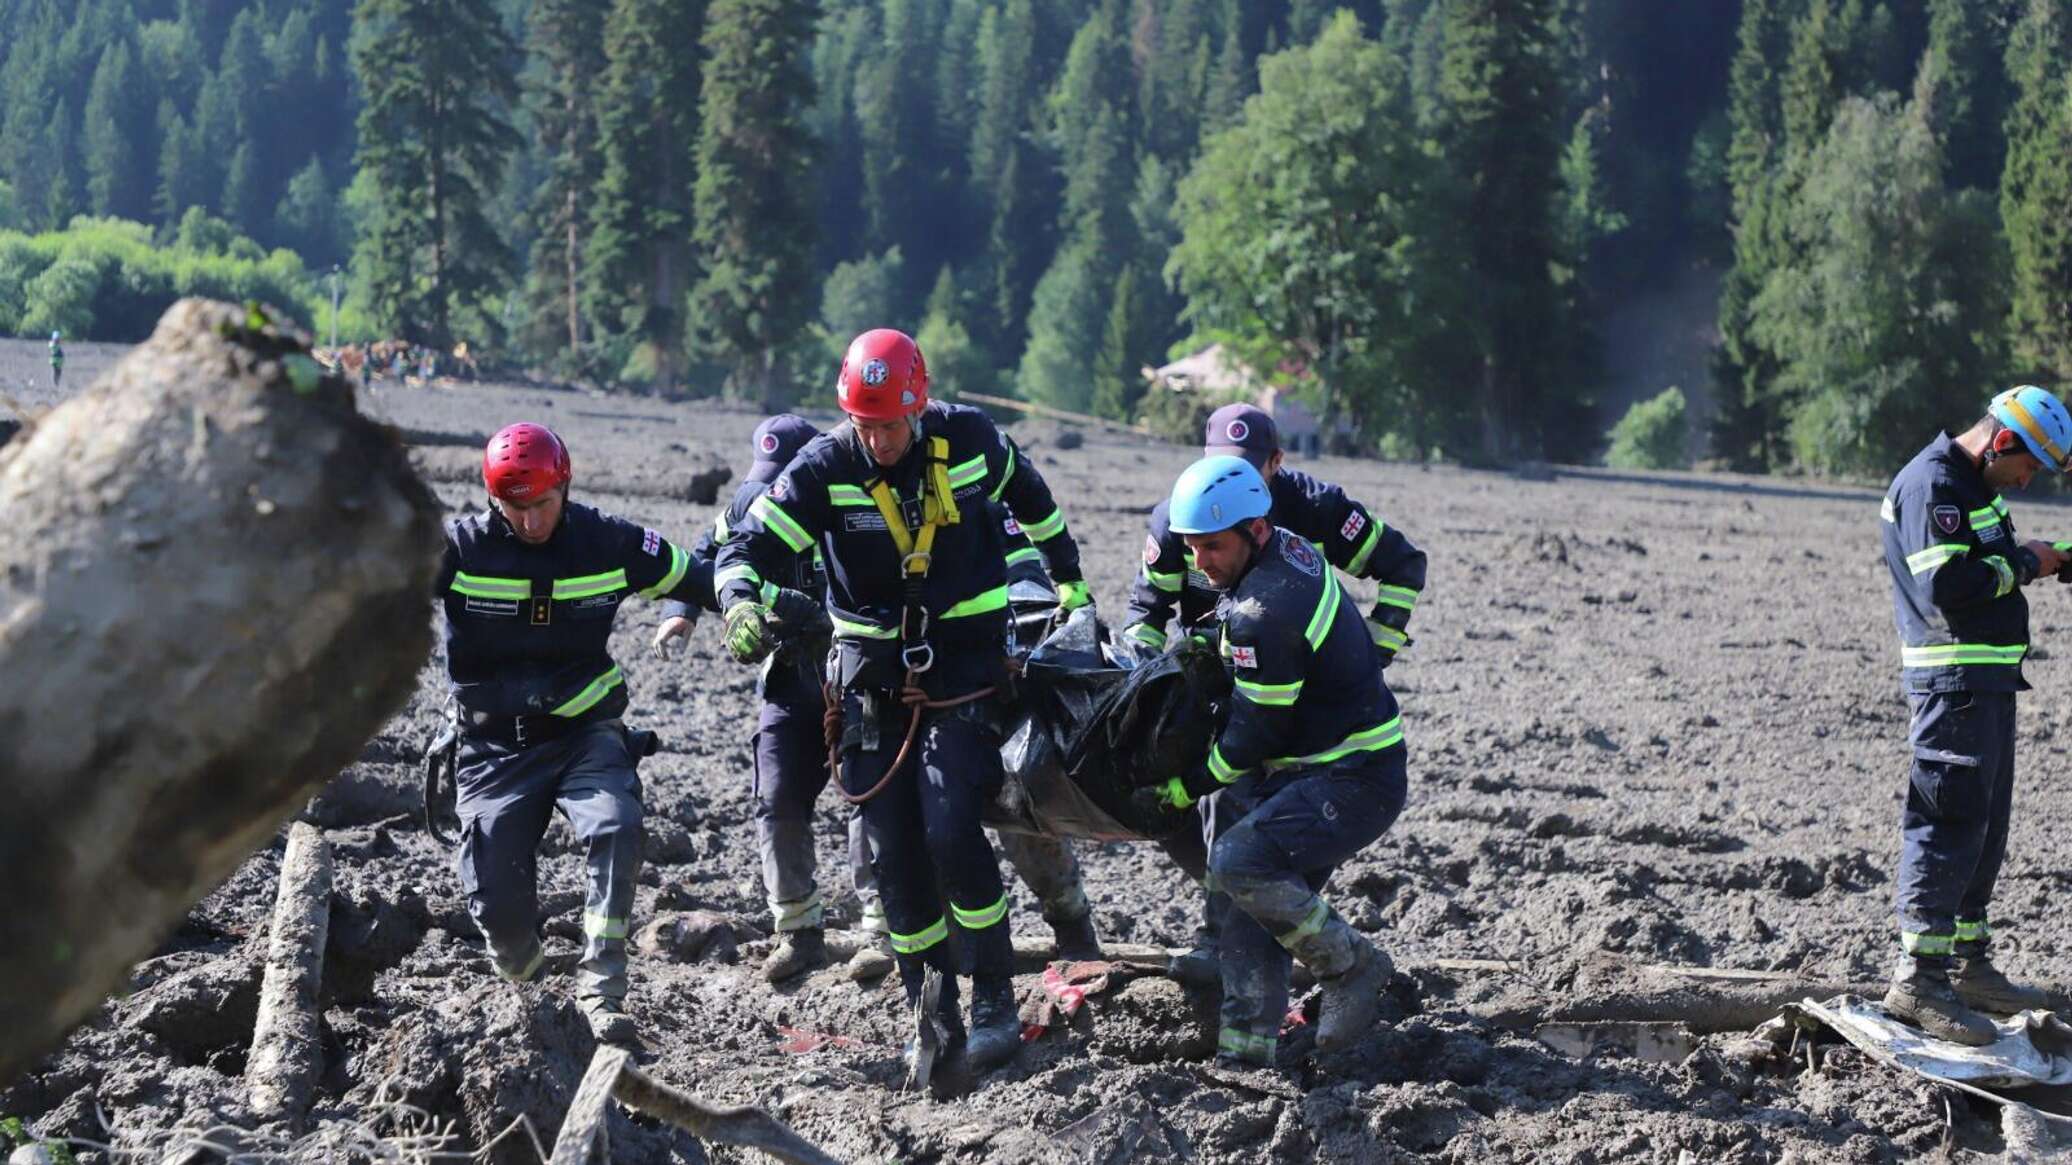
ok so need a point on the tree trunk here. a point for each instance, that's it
(213, 584)
(287, 1048)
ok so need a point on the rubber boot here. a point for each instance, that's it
(1921, 995)
(996, 1025)
(1982, 985)
(608, 1021)
(1352, 998)
(1076, 940)
(798, 951)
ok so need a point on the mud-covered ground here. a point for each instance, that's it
(1651, 720)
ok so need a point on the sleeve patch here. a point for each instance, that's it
(1243, 655)
(651, 542)
(1354, 523)
(1150, 550)
(1302, 556)
(1947, 518)
(781, 488)
(1012, 527)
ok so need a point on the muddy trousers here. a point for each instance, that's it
(506, 795)
(1273, 843)
(1187, 846)
(790, 772)
(936, 871)
(1953, 829)
(1050, 871)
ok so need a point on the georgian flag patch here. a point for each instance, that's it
(650, 542)
(1244, 656)
(1354, 523)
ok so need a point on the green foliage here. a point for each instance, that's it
(106, 279)
(859, 296)
(2036, 187)
(1654, 434)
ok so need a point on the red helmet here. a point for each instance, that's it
(524, 461)
(883, 376)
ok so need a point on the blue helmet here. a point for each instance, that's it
(1215, 494)
(53, 337)
(2040, 420)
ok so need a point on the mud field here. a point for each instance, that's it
(1651, 721)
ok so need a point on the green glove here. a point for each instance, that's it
(748, 635)
(1074, 595)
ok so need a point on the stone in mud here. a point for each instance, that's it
(697, 937)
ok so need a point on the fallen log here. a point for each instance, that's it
(287, 1052)
(213, 584)
(612, 1076)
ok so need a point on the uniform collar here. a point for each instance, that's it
(1945, 449)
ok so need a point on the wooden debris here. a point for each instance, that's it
(612, 1076)
(287, 1052)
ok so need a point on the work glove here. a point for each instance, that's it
(1388, 640)
(1074, 595)
(799, 613)
(1176, 795)
(748, 635)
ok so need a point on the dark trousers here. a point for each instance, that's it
(790, 772)
(506, 795)
(1273, 843)
(1953, 830)
(928, 848)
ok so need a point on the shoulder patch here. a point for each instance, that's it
(1301, 555)
(1151, 550)
(1244, 655)
(1354, 523)
(781, 488)
(1947, 518)
(1012, 527)
(650, 541)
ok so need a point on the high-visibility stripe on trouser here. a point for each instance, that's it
(1971, 931)
(983, 917)
(1926, 945)
(920, 940)
(526, 969)
(804, 914)
(1245, 1046)
(603, 926)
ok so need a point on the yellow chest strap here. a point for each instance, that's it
(938, 509)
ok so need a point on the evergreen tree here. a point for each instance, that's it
(307, 218)
(639, 263)
(1118, 383)
(753, 208)
(1231, 80)
(2036, 190)
(1746, 427)
(116, 125)
(180, 167)
(1956, 90)
(566, 41)
(435, 74)
(896, 124)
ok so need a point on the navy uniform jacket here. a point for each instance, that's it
(1307, 691)
(823, 499)
(791, 675)
(1353, 540)
(1957, 573)
(527, 627)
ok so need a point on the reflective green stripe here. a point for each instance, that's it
(740, 571)
(1971, 932)
(1246, 1046)
(1312, 922)
(848, 495)
(720, 529)
(1389, 637)
(1888, 511)
(855, 630)
(1221, 769)
(587, 699)
(967, 472)
(1047, 528)
(1404, 597)
(679, 565)
(781, 523)
(798, 915)
(1176, 794)
(979, 604)
(1274, 695)
(1926, 944)
(769, 593)
(921, 940)
(2005, 573)
(603, 926)
(1366, 740)
(1327, 610)
(590, 585)
(1960, 655)
(1923, 561)
(1989, 515)
(1006, 475)
(1147, 635)
(1359, 562)
(477, 586)
(539, 955)
(981, 918)
(1171, 584)
(1025, 554)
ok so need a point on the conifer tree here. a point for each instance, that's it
(2036, 190)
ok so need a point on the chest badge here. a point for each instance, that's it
(542, 611)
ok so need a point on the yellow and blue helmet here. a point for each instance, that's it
(2040, 420)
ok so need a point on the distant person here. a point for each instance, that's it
(57, 359)
(1957, 578)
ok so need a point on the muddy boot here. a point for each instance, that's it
(1198, 968)
(937, 1026)
(872, 960)
(996, 1026)
(1076, 940)
(798, 951)
(1352, 998)
(1982, 985)
(608, 1021)
(1921, 995)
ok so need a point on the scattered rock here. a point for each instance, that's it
(700, 936)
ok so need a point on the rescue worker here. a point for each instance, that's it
(531, 587)
(895, 498)
(1170, 588)
(1307, 770)
(1957, 578)
(57, 359)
